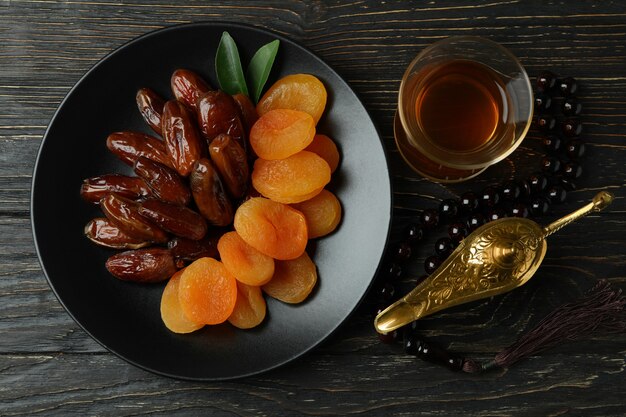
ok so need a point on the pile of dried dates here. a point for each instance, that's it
(190, 180)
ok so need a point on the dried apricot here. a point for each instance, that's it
(326, 148)
(303, 197)
(207, 292)
(272, 228)
(296, 92)
(293, 179)
(171, 311)
(245, 263)
(250, 308)
(322, 213)
(293, 280)
(281, 133)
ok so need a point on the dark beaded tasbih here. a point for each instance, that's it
(556, 115)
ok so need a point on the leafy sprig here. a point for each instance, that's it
(230, 75)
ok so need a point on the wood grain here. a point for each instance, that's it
(378, 385)
(49, 366)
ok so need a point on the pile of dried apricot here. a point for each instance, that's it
(224, 205)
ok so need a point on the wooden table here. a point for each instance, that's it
(49, 366)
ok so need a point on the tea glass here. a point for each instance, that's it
(440, 163)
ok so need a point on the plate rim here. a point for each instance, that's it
(94, 67)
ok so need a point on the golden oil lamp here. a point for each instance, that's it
(494, 259)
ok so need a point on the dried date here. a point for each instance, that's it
(209, 194)
(150, 106)
(247, 110)
(165, 183)
(182, 140)
(93, 189)
(218, 113)
(128, 146)
(251, 193)
(231, 162)
(125, 214)
(142, 265)
(103, 232)
(190, 250)
(187, 87)
(176, 219)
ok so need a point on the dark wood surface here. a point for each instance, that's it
(49, 366)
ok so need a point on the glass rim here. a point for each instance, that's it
(479, 41)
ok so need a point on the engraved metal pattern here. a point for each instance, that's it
(483, 266)
(494, 259)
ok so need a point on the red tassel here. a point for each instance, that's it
(600, 310)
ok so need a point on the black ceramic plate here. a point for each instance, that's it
(124, 317)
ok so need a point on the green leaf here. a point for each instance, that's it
(228, 67)
(260, 67)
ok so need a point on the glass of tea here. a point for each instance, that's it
(464, 104)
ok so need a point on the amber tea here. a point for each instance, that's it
(465, 103)
(461, 105)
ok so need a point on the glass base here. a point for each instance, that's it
(424, 166)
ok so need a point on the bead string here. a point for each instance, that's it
(530, 197)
